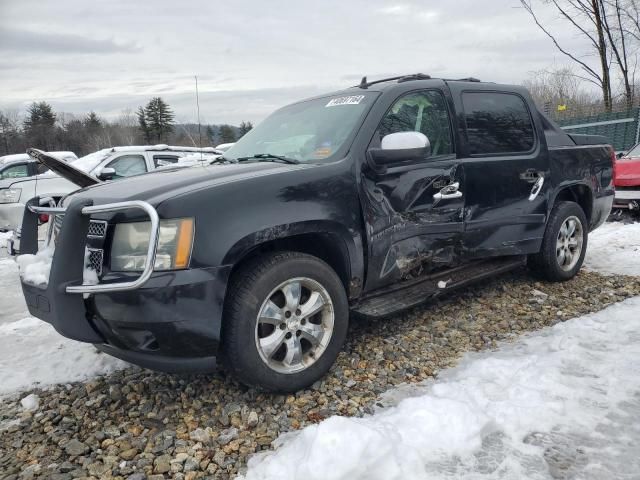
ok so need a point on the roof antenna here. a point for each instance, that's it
(363, 82)
(199, 126)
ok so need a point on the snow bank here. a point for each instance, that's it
(34, 269)
(4, 237)
(560, 402)
(32, 353)
(614, 248)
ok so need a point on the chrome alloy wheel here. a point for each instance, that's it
(294, 325)
(569, 243)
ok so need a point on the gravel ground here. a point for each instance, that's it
(138, 424)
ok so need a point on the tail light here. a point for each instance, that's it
(614, 161)
(43, 217)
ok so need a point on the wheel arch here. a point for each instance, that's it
(333, 243)
(579, 193)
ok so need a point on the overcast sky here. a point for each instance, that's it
(251, 56)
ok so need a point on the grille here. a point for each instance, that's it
(94, 260)
(57, 223)
(97, 229)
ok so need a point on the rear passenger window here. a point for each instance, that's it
(497, 123)
(164, 160)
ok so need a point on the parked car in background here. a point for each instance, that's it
(21, 165)
(107, 164)
(67, 156)
(371, 199)
(626, 178)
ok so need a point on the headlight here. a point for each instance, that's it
(131, 240)
(10, 195)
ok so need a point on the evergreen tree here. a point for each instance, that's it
(8, 133)
(159, 118)
(39, 126)
(211, 134)
(226, 133)
(144, 126)
(244, 128)
(92, 121)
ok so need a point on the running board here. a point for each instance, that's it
(404, 296)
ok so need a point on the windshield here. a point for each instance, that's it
(634, 152)
(307, 131)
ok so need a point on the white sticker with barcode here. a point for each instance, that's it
(350, 100)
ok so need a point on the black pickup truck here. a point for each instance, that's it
(368, 200)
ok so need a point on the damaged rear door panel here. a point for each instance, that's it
(506, 164)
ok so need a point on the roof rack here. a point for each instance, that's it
(401, 78)
(407, 78)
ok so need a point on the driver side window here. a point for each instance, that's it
(424, 112)
(128, 165)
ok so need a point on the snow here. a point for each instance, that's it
(30, 402)
(443, 283)
(495, 415)
(33, 353)
(559, 403)
(4, 237)
(614, 248)
(34, 269)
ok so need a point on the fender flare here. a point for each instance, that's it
(348, 241)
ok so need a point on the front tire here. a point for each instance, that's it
(564, 244)
(286, 319)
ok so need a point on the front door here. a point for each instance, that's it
(414, 210)
(506, 171)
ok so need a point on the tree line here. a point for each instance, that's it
(154, 123)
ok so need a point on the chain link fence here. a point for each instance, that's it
(621, 125)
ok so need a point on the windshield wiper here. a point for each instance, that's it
(269, 157)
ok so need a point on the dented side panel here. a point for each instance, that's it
(409, 232)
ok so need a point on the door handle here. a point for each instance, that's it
(450, 191)
(537, 187)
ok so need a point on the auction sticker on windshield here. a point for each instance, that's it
(350, 100)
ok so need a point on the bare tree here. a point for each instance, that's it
(557, 86)
(585, 17)
(614, 21)
(611, 30)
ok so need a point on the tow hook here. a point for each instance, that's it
(634, 205)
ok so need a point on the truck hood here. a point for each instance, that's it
(161, 185)
(64, 169)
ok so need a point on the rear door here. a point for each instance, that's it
(507, 172)
(412, 228)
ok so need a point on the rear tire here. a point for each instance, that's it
(564, 244)
(286, 318)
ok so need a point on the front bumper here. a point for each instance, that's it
(170, 322)
(10, 216)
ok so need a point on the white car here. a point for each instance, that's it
(107, 164)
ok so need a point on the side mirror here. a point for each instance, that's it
(107, 173)
(620, 155)
(400, 147)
